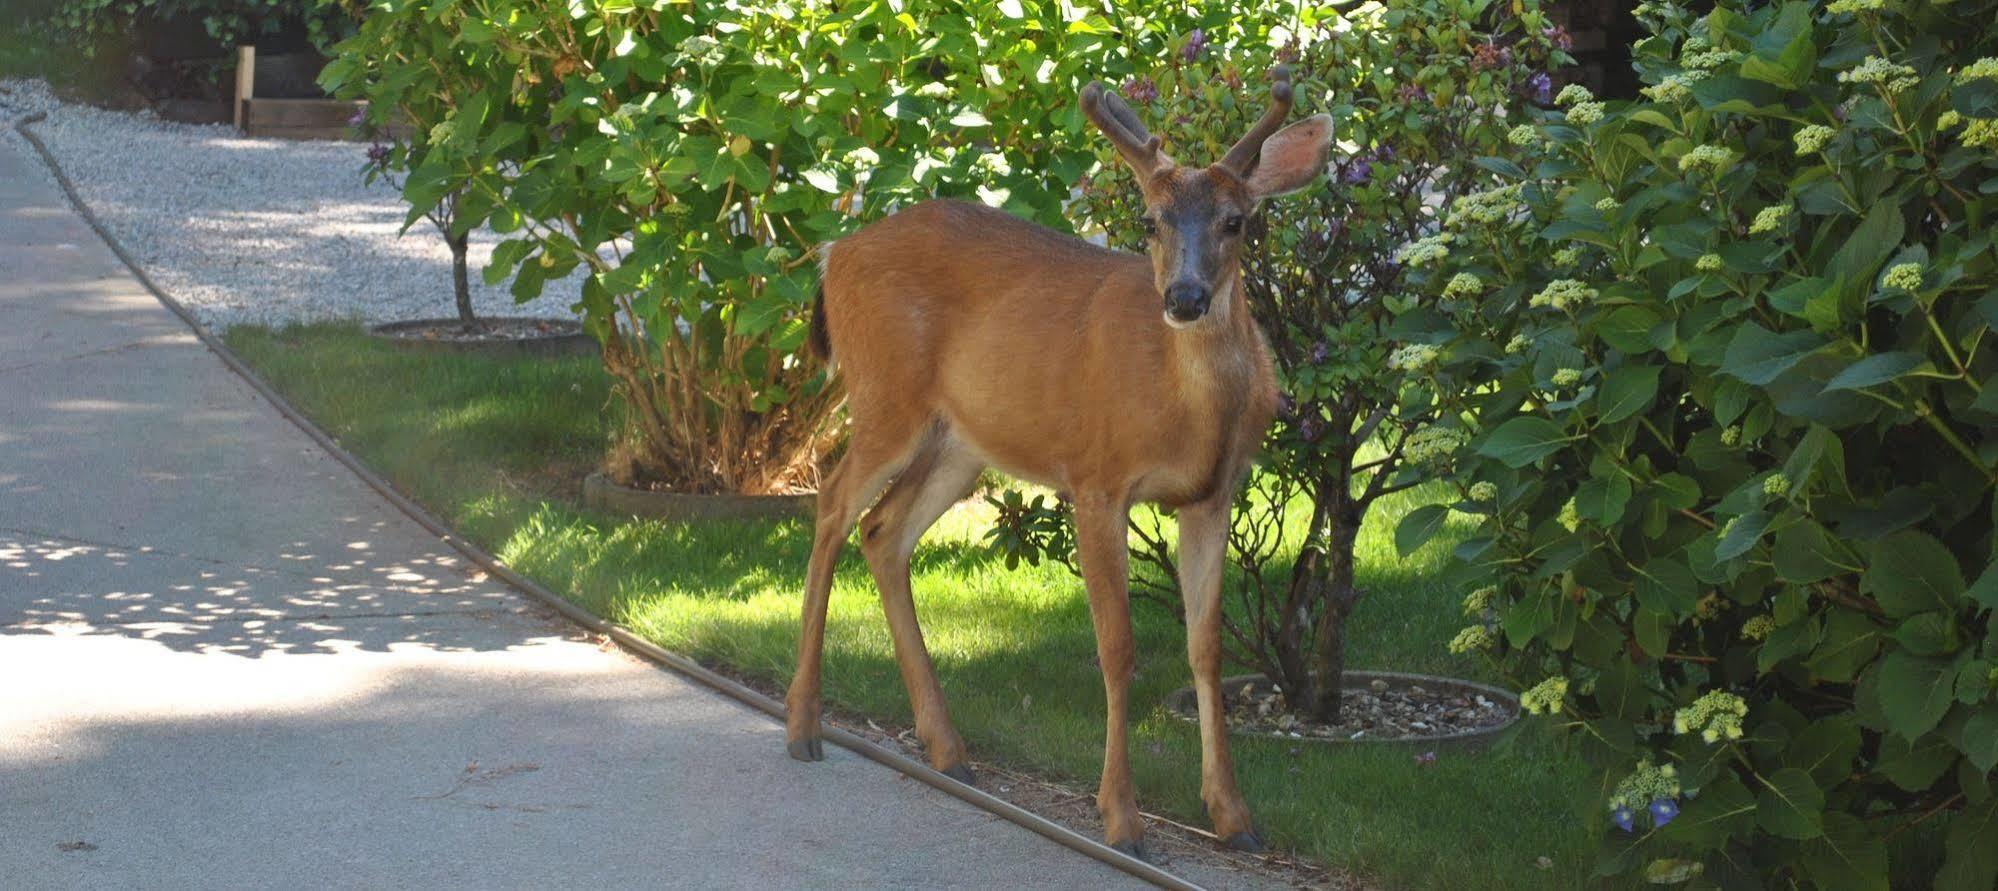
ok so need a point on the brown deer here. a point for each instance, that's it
(968, 338)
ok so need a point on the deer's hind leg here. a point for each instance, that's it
(875, 456)
(938, 477)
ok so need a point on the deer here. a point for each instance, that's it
(967, 338)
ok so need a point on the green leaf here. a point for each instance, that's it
(1850, 855)
(1971, 861)
(1667, 585)
(1849, 643)
(1757, 355)
(1602, 498)
(1980, 738)
(1743, 533)
(1791, 805)
(1915, 692)
(1522, 441)
(1877, 369)
(1985, 591)
(1627, 391)
(1419, 526)
(1910, 572)
(1785, 53)
(1806, 553)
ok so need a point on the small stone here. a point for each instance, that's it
(1379, 686)
(1416, 690)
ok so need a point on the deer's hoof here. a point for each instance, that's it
(1134, 849)
(807, 749)
(1244, 841)
(961, 772)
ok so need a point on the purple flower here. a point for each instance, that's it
(1425, 759)
(1359, 170)
(1490, 55)
(1540, 87)
(1196, 43)
(360, 117)
(1140, 90)
(1624, 818)
(378, 154)
(1662, 811)
(1411, 94)
(1286, 406)
(1559, 37)
(1320, 352)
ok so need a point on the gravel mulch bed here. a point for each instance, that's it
(1379, 712)
(259, 231)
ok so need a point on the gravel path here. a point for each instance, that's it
(258, 231)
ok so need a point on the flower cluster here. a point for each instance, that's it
(1812, 139)
(1522, 135)
(1196, 43)
(1574, 94)
(1674, 87)
(1844, 6)
(1654, 786)
(1608, 204)
(1570, 518)
(1484, 490)
(1472, 639)
(1769, 219)
(1709, 263)
(1566, 377)
(1414, 357)
(1569, 257)
(1906, 276)
(1563, 293)
(1434, 444)
(1583, 114)
(1140, 90)
(1758, 627)
(1545, 697)
(1708, 59)
(1717, 714)
(1706, 157)
(1985, 67)
(1730, 435)
(1980, 133)
(1463, 284)
(935, 89)
(1776, 485)
(1425, 251)
(1890, 76)
(1489, 206)
(1517, 344)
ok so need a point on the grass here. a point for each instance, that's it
(29, 50)
(496, 447)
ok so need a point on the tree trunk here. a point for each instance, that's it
(1328, 655)
(461, 283)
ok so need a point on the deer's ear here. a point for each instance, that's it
(1292, 157)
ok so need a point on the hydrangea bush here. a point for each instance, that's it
(1727, 418)
(691, 158)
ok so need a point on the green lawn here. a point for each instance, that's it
(497, 448)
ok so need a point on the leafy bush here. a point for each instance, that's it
(1416, 87)
(1727, 423)
(229, 22)
(694, 156)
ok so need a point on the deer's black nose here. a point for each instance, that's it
(1187, 301)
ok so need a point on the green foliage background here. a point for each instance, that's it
(1729, 407)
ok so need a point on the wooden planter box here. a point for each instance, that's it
(287, 118)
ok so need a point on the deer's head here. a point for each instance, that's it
(1195, 216)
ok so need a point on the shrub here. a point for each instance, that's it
(694, 156)
(1728, 421)
(229, 22)
(1416, 87)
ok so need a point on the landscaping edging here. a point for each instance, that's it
(1180, 704)
(571, 340)
(602, 494)
(613, 632)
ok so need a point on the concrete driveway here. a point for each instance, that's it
(226, 662)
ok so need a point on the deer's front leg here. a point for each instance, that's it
(1104, 550)
(1203, 545)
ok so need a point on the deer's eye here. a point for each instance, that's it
(1150, 226)
(1232, 225)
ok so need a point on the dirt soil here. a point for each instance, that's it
(1380, 711)
(486, 330)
